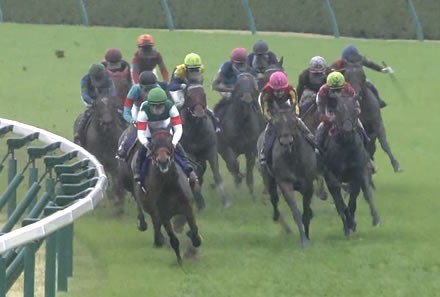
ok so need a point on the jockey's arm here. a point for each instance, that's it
(321, 102)
(85, 90)
(219, 86)
(163, 68)
(370, 64)
(142, 128)
(129, 78)
(301, 84)
(293, 98)
(135, 69)
(176, 122)
(264, 105)
(175, 83)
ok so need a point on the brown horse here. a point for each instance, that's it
(102, 135)
(200, 140)
(166, 192)
(371, 116)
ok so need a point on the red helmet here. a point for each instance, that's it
(239, 55)
(145, 39)
(278, 81)
(113, 55)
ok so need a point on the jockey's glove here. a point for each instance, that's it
(387, 70)
(183, 86)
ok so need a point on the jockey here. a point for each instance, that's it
(350, 54)
(135, 97)
(326, 101)
(313, 77)
(147, 58)
(261, 57)
(118, 70)
(191, 71)
(278, 92)
(156, 113)
(94, 82)
(227, 75)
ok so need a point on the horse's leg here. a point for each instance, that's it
(174, 242)
(232, 164)
(352, 203)
(334, 187)
(320, 188)
(289, 196)
(381, 135)
(368, 195)
(250, 164)
(193, 232)
(213, 163)
(199, 199)
(307, 210)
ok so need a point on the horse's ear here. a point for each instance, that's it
(280, 62)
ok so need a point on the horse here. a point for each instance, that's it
(241, 123)
(101, 139)
(371, 116)
(292, 167)
(346, 161)
(309, 109)
(200, 140)
(168, 192)
(263, 78)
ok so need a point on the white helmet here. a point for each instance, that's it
(317, 64)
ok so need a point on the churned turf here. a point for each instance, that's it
(244, 253)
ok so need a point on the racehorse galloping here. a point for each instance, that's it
(200, 140)
(293, 167)
(370, 116)
(346, 161)
(263, 78)
(168, 192)
(101, 138)
(241, 123)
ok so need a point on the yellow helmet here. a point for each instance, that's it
(335, 80)
(193, 60)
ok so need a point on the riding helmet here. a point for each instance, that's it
(335, 80)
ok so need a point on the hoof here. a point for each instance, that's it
(196, 239)
(376, 222)
(396, 166)
(305, 243)
(276, 216)
(159, 241)
(142, 225)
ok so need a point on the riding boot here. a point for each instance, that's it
(269, 138)
(138, 160)
(190, 173)
(373, 89)
(214, 119)
(78, 138)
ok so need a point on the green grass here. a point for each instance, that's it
(244, 253)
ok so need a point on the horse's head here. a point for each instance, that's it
(105, 109)
(246, 89)
(354, 74)
(162, 150)
(264, 78)
(285, 123)
(346, 118)
(195, 101)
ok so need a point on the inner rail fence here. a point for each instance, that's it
(72, 184)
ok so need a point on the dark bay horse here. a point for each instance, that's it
(293, 167)
(241, 123)
(168, 193)
(200, 140)
(101, 137)
(346, 161)
(371, 116)
(263, 78)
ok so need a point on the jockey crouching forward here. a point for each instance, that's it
(190, 72)
(326, 99)
(158, 112)
(227, 76)
(135, 97)
(94, 82)
(261, 58)
(119, 71)
(276, 95)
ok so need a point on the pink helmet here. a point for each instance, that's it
(278, 81)
(239, 55)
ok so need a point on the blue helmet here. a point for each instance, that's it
(351, 54)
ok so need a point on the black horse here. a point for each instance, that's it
(346, 161)
(371, 116)
(167, 192)
(263, 77)
(200, 140)
(292, 167)
(101, 138)
(241, 122)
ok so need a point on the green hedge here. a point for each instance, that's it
(357, 18)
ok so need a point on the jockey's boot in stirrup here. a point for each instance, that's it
(194, 181)
(137, 166)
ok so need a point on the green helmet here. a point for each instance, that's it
(157, 96)
(97, 71)
(193, 60)
(335, 80)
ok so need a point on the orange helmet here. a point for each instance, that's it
(145, 39)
